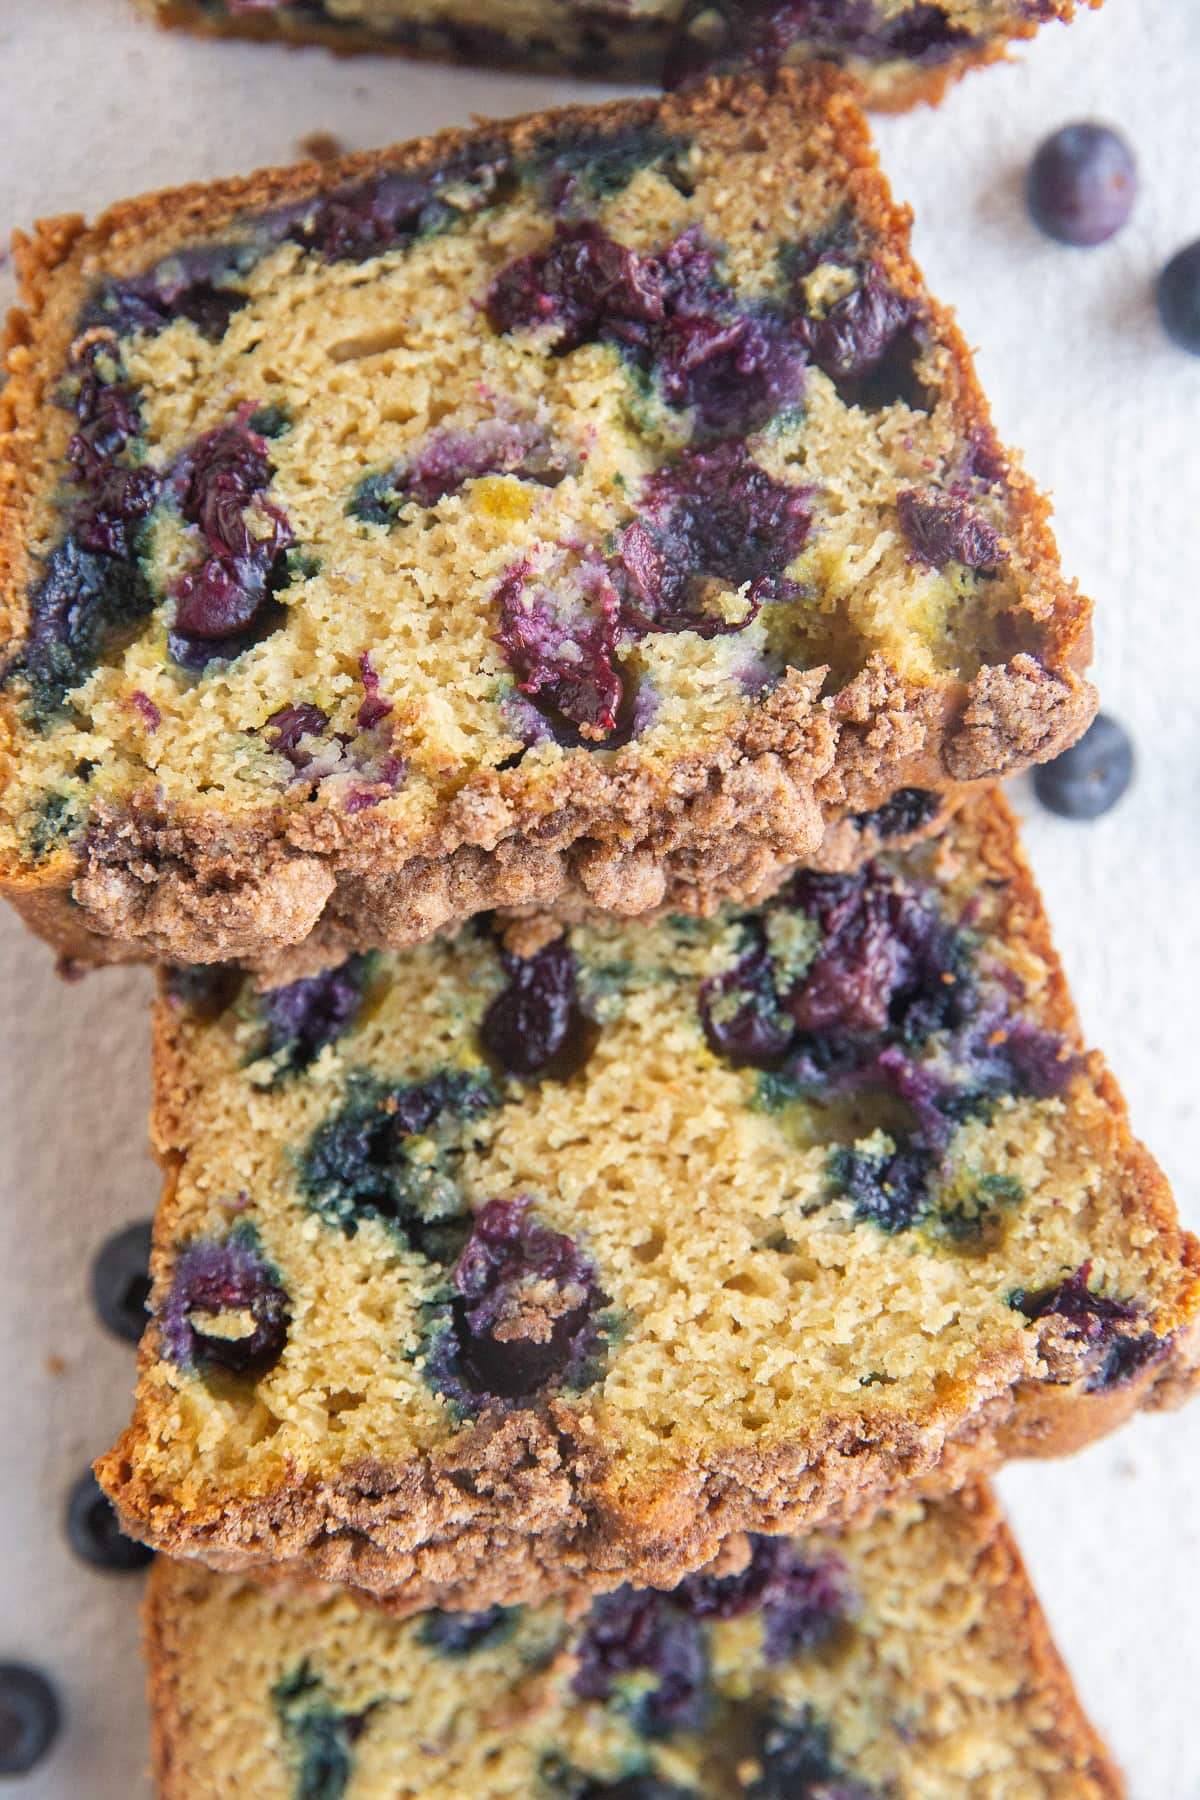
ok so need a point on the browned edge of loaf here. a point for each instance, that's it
(1014, 1621)
(641, 61)
(194, 886)
(523, 1505)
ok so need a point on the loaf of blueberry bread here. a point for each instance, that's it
(897, 51)
(906, 1661)
(587, 510)
(536, 1259)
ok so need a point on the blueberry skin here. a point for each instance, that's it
(94, 1534)
(1082, 184)
(1178, 296)
(30, 1718)
(1088, 780)
(121, 1281)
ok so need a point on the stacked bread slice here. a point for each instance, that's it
(526, 626)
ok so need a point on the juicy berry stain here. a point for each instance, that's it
(392, 210)
(760, 34)
(459, 1634)
(393, 1153)
(794, 1753)
(802, 1600)
(562, 650)
(715, 516)
(1098, 1325)
(908, 810)
(941, 528)
(669, 314)
(196, 284)
(448, 459)
(224, 603)
(536, 1026)
(215, 1283)
(319, 1737)
(641, 1632)
(523, 1320)
(304, 1016)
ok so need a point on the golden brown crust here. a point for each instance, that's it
(626, 837)
(528, 1505)
(629, 56)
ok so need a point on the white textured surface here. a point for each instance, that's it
(96, 107)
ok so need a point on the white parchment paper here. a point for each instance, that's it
(96, 106)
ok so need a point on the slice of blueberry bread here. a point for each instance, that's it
(898, 51)
(905, 1661)
(585, 509)
(533, 1259)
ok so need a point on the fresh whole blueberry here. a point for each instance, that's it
(1082, 184)
(1178, 295)
(1087, 780)
(30, 1718)
(121, 1281)
(95, 1534)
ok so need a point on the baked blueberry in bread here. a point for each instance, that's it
(542, 1258)
(905, 1661)
(589, 510)
(897, 51)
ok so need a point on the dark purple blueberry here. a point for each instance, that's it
(448, 459)
(1099, 1325)
(562, 654)
(30, 1718)
(359, 1163)
(886, 960)
(760, 33)
(633, 1787)
(375, 705)
(802, 1600)
(942, 529)
(285, 729)
(583, 281)
(388, 211)
(109, 520)
(715, 516)
(536, 1026)
(741, 1013)
(887, 1189)
(1178, 295)
(229, 1281)
(640, 1632)
(908, 810)
(458, 1634)
(794, 1754)
(1087, 780)
(850, 340)
(121, 1281)
(1073, 1299)
(1082, 184)
(85, 607)
(1021, 1058)
(224, 604)
(524, 1315)
(191, 284)
(95, 1533)
(304, 1016)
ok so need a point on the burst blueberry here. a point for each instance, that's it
(640, 1632)
(524, 1318)
(304, 1016)
(536, 1026)
(941, 528)
(226, 1309)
